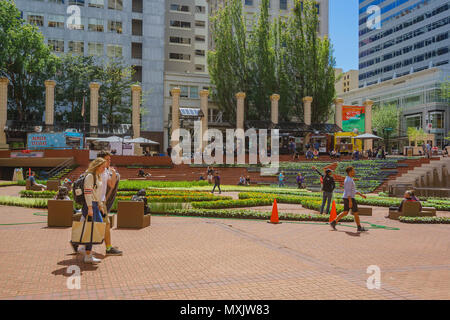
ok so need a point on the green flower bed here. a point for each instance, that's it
(425, 220)
(8, 183)
(241, 203)
(248, 214)
(135, 185)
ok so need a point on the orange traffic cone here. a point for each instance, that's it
(274, 218)
(333, 214)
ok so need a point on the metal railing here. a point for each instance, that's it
(55, 171)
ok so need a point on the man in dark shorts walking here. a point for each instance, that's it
(349, 200)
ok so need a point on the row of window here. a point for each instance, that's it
(186, 24)
(436, 119)
(184, 56)
(58, 21)
(404, 50)
(409, 23)
(112, 4)
(184, 8)
(405, 63)
(385, 9)
(94, 48)
(187, 41)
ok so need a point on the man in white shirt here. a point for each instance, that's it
(109, 179)
(349, 200)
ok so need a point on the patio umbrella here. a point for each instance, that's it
(111, 139)
(368, 136)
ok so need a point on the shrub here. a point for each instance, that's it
(136, 185)
(21, 202)
(425, 220)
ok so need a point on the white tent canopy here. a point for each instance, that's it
(141, 140)
(368, 136)
(111, 139)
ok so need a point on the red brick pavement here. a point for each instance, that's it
(196, 258)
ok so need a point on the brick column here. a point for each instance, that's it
(307, 109)
(240, 96)
(175, 114)
(274, 107)
(49, 104)
(94, 86)
(3, 111)
(338, 112)
(368, 144)
(204, 107)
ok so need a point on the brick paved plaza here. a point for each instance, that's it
(198, 258)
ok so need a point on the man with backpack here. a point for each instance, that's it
(328, 187)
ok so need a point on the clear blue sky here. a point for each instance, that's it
(343, 28)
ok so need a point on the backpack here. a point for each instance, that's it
(78, 189)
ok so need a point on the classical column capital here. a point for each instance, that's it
(275, 97)
(136, 87)
(307, 99)
(4, 81)
(50, 83)
(338, 101)
(175, 91)
(240, 95)
(94, 85)
(204, 93)
(368, 103)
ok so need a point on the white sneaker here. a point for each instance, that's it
(90, 259)
(82, 250)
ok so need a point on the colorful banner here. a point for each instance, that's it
(60, 140)
(27, 155)
(353, 118)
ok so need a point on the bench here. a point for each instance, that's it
(28, 186)
(412, 209)
(130, 214)
(53, 185)
(365, 211)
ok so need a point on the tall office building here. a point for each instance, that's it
(413, 35)
(132, 29)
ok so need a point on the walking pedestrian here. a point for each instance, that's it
(281, 179)
(216, 182)
(328, 187)
(349, 200)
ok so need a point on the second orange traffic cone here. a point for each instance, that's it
(274, 218)
(333, 214)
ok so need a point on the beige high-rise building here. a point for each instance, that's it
(347, 82)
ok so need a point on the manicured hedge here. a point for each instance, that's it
(180, 199)
(135, 185)
(241, 203)
(248, 214)
(8, 183)
(21, 202)
(425, 220)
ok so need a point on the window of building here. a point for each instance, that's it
(56, 21)
(76, 47)
(200, 53)
(180, 24)
(193, 92)
(283, 4)
(76, 3)
(200, 23)
(114, 51)
(115, 4)
(437, 119)
(95, 49)
(136, 50)
(137, 76)
(97, 4)
(77, 26)
(56, 45)
(200, 67)
(179, 8)
(95, 24)
(248, 2)
(184, 92)
(179, 40)
(115, 26)
(36, 19)
(414, 121)
(200, 38)
(179, 56)
(200, 9)
(56, 1)
(137, 6)
(136, 27)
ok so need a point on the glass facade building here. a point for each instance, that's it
(410, 36)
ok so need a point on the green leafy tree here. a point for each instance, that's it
(26, 61)
(116, 79)
(385, 120)
(75, 72)
(228, 63)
